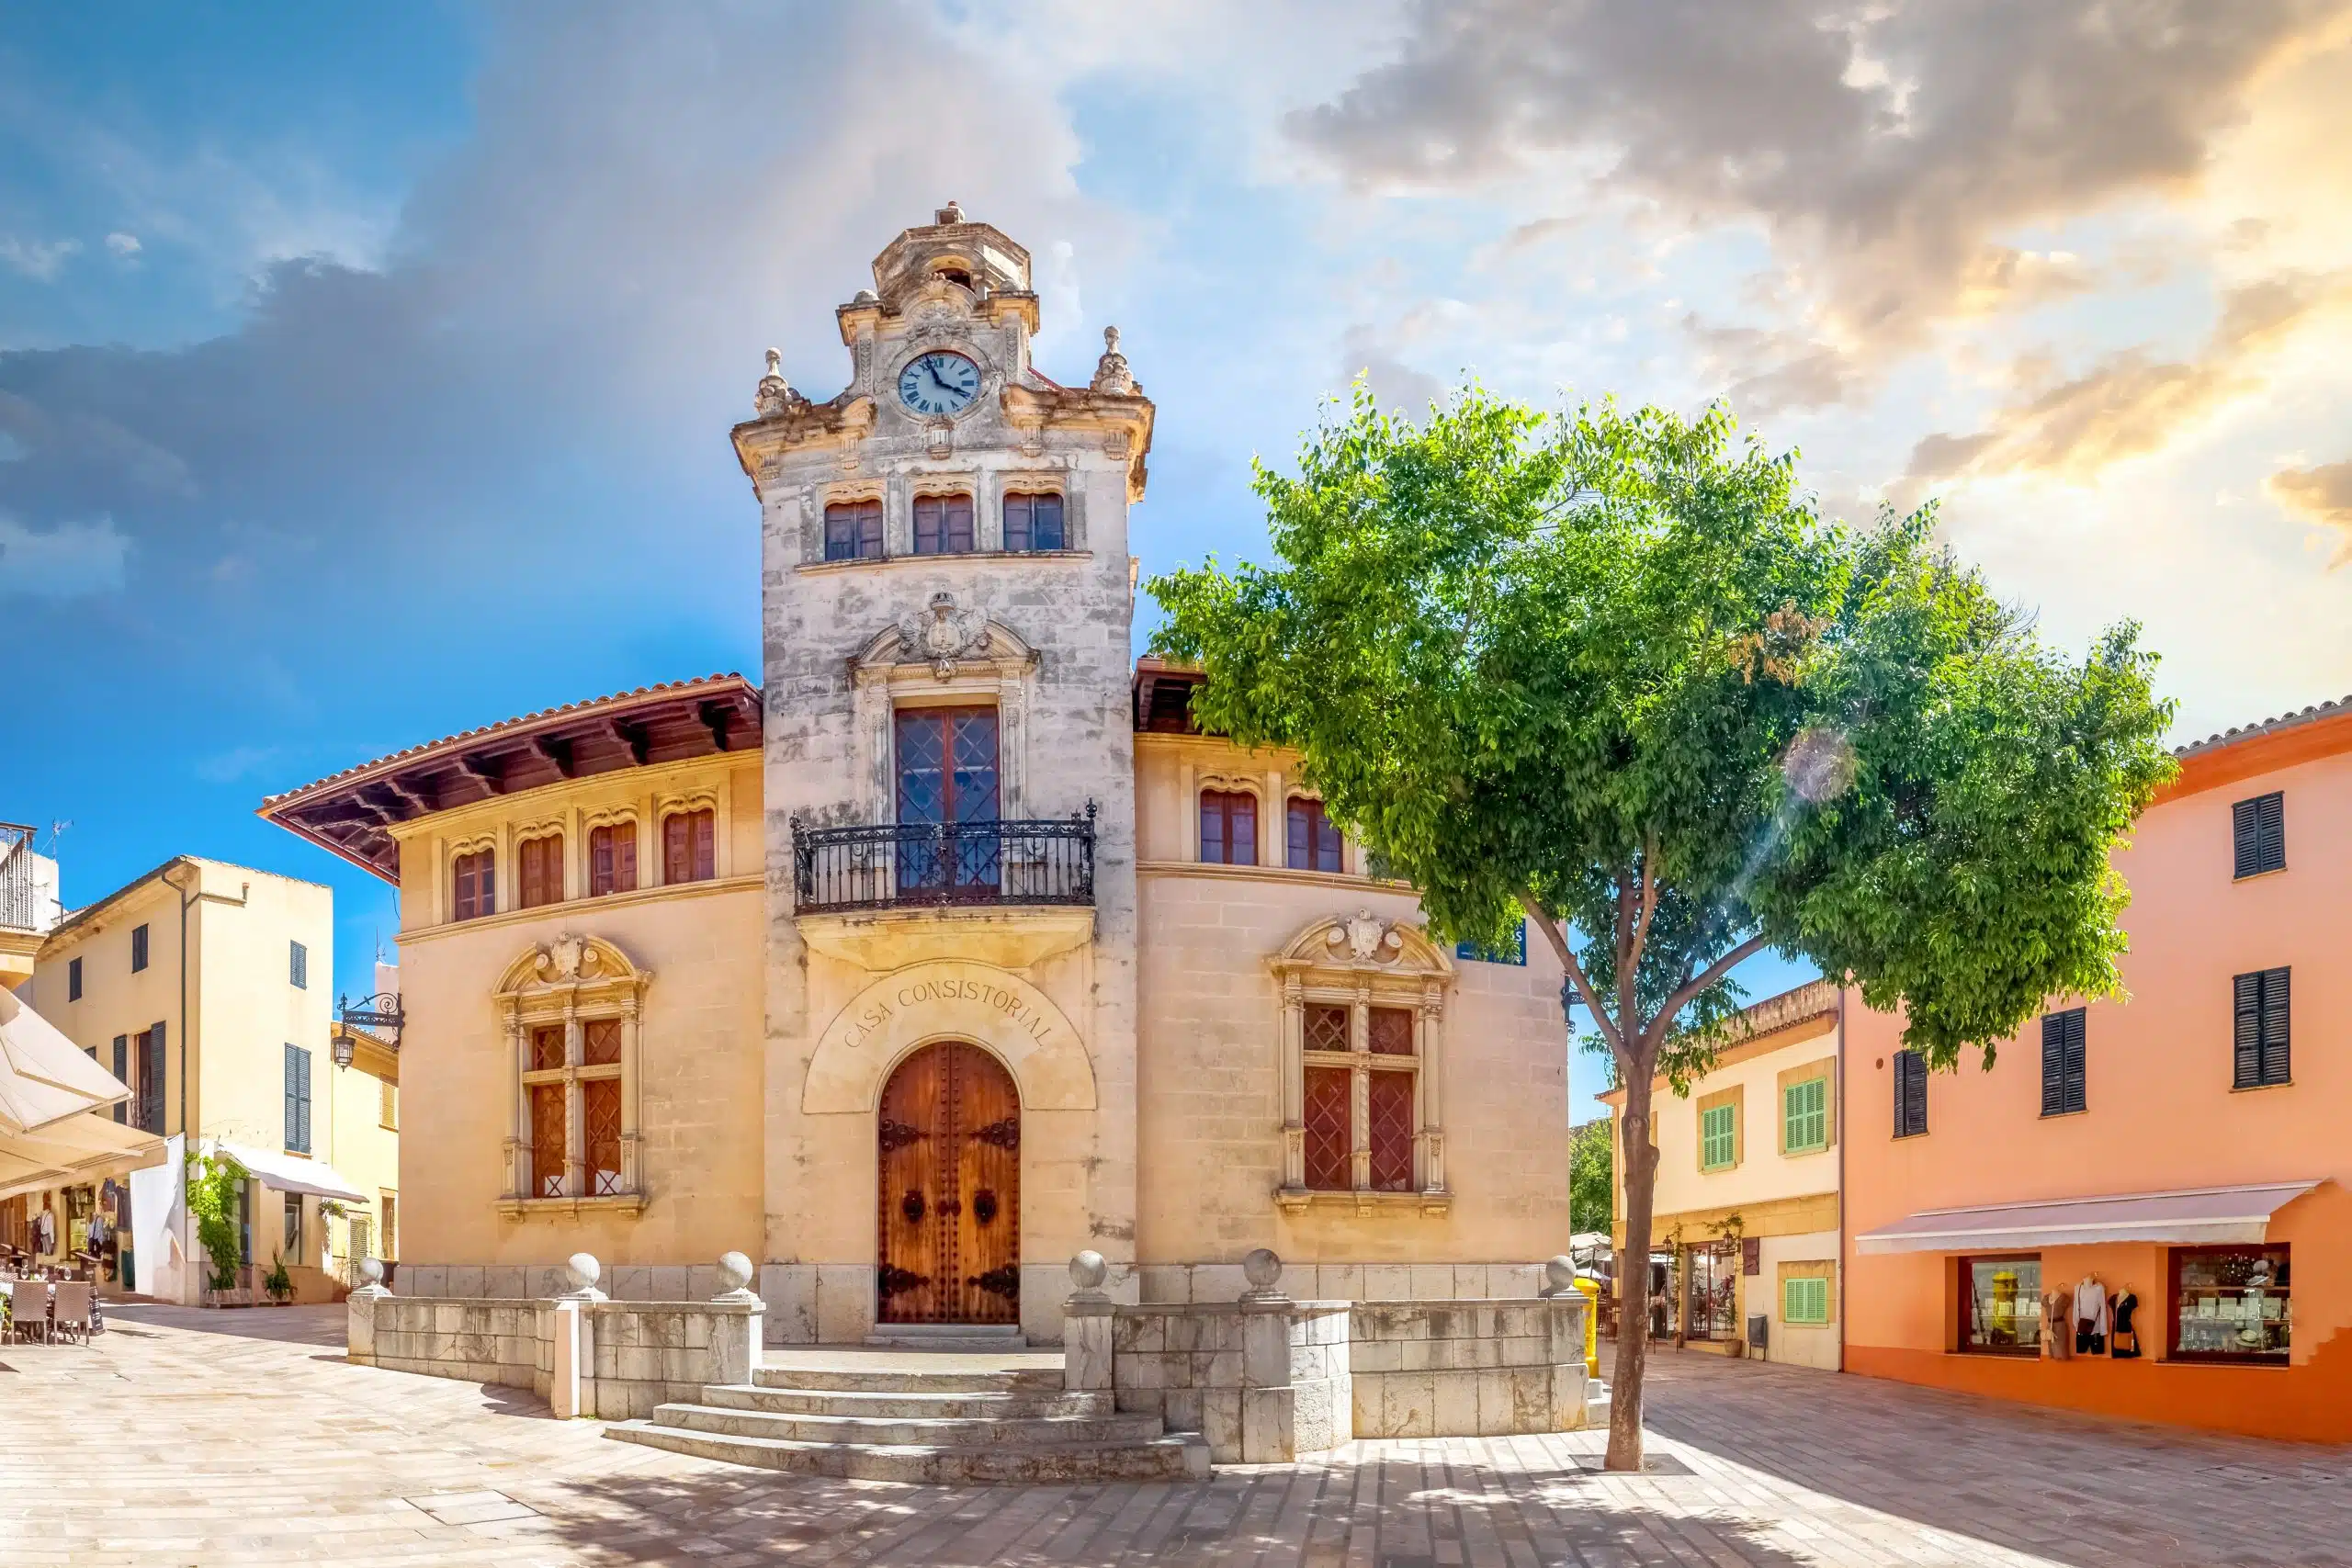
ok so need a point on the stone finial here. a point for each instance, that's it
(1559, 1276)
(1264, 1271)
(776, 394)
(1087, 1272)
(735, 1278)
(582, 1270)
(951, 213)
(866, 297)
(371, 1278)
(1111, 372)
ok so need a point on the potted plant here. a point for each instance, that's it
(278, 1282)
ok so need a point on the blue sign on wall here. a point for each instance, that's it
(1514, 954)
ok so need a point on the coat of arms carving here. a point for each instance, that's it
(941, 635)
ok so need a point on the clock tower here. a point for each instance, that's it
(949, 780)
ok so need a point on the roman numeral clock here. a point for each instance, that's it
(939, 382)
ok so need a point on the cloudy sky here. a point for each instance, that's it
(362, 381)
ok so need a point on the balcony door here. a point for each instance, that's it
(947, 761)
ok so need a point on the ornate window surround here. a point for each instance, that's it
(986, 485)
(571, 980)
(934, 656)
(1360, 962)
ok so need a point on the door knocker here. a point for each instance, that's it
(912, 1207)
(984, 1206)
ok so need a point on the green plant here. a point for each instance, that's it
(278, 1282)
(214, 1182)
(1611, 670)
(1590, 1197)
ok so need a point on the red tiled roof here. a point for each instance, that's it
(2266, 727)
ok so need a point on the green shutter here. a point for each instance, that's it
(1805, 1116)
(1718, 1145)
(1804, 1301)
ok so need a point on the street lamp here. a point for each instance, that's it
(344, 1046)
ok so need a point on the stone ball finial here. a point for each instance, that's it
(583, 1270)
(776, 362)
(371, 1271)
(865, 297)
(1261, 1269)
(734, 1271)
(1560, 1273)
(1087, 1270)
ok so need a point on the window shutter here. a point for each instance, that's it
(293, 1122)
(2246, 1051)
(2053, 1064)
(305, 1058)
(2270, 830)
(2274, 1026)
(2245, 835)
(1910, 1093)
(2077, 1075)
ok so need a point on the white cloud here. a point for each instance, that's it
(64, 562)
(35, 260)
(123, 244)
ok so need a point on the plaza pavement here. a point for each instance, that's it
(227, 1438)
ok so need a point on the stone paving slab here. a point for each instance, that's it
(231, 1438)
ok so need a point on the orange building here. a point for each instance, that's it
(2182, 1148)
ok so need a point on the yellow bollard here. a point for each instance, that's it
(1591, 1289)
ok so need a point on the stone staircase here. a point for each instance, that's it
(941, 1427)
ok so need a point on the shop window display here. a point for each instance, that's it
(2230, 1304)
(1713, 1287)
(2001, 1305)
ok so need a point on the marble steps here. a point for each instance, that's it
(898, 1405)
(914, 1378)
(1033, 1432)
(1180, 1457)
(869, 1423)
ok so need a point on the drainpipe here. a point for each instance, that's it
(1845, 1130)
(187, 898)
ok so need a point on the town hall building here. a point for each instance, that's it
(952, 946)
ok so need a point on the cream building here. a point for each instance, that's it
(972, 953)
(1747, 1210)
(207, 988)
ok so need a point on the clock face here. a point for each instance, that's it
(939, 382)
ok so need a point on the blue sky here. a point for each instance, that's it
(364, 376)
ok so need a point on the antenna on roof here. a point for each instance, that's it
(56, 827)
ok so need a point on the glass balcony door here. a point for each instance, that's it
(946, 761)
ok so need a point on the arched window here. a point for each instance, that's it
(942, 525)
(689, 846)
(540, 873)
(1314, 840)
(1228, 827)
(1032, 521)
(612, 859)
(473, 884)
(854, 530)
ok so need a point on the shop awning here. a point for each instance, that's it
(291, 1173)
(71, 1152)
(2194, 1215)
(45, 1076)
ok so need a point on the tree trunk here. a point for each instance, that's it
(1640, 1166)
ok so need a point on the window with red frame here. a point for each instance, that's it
(1314, 842)
(1228, 827)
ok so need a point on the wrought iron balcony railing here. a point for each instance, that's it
(895, 866)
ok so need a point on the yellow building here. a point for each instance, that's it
(951, 948)
(1746, 1207)
(207, 988)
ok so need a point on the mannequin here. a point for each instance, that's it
(2124, 1343)
(2090, 1317)
(2057, 1324)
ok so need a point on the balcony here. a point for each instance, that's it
(918, 865)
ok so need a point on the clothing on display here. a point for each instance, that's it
(2057, 1320)
(2124, 1340)
(2090, 1317)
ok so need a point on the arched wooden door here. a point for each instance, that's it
(949, 1144)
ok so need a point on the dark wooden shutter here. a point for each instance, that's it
(2063, 1062)
(2274, 1026)
(1910, 1094)
(2258, 834)
(2246, 1040)
(2077, 1060)
(122, 1071)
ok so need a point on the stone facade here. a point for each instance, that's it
(1159, 1024)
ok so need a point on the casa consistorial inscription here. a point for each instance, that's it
(950, 999)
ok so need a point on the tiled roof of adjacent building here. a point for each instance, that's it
(2267, 727)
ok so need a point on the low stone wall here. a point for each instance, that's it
(1265, 1379)
(583, 1352)
(1467, 1368)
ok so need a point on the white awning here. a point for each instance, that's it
(2194, 1215)
(292, 1173)
(72, 1151)
(45, 1076)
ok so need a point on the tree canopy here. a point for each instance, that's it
(1613, 667)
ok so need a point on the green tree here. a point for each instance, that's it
(1612, 670)
(1588, 1194)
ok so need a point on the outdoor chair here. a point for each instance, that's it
(28, 1308)
(69, 1311)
